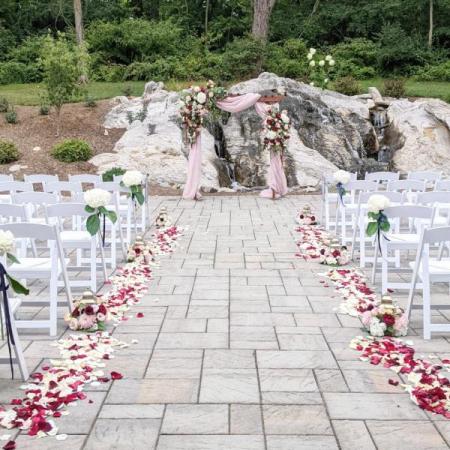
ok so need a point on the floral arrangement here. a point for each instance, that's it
(132, 179)
(341, 178)
(89, 314)
(195, 103)
(427, 383)
(141, 250)
(96, 202)
(276, 129)
(6, 251)
(385, 319)
(305, 217)
(378, 223)
(320, 68)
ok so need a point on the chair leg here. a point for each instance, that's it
(102, 257)
(354, 240)
(53, 305)
(93, 266)
(384, 269)
(326, 207)
(426, 309)
(19, 352)
(113, 247)
(375, 261)
(362, 247)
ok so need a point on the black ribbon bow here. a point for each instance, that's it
(9, 334)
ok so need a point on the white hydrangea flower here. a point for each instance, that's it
(377, 202)
(196, 89)
(97, 197)
(132, 178)
(328, 58)
(6, 242)
(309, 56)
(321, 62)
(201, 97)
(312, 51)
(342, 176)
(331, 62)
(312, 63)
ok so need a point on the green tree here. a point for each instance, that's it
(63, 65)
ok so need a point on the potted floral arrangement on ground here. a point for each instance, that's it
(305, 217)
(89, 314)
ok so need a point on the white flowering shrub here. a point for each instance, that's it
(320, 68)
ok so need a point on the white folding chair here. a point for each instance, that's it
(442, 185)
(397, 240)
(42, 268)
(35, 203)
(7, 188)
(115, 190)
(328, 199)
(87, 180)
(440, 200)
(382, 178)
(361, 221)
(41, 178)
(77, 237)
(430, 177)
(10, 213)
(348, 208)
(429, 270)
(73, 188)
(9, 314)
(410, 187)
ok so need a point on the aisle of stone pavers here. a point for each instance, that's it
(240, 348)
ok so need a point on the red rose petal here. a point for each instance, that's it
(116, 375)
(11, 445)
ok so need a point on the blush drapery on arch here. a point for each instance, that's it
(234, 104)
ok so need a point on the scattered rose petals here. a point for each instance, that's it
(140, 315)
(116, 375)
(11, 445)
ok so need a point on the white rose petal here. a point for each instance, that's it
(284, 118)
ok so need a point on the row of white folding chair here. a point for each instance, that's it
(430, 270)
(51, 268)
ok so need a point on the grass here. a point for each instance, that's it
(436, 89)
(29, 94)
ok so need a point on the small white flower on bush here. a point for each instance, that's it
(97, 197)
(377, 203)
(6, 242)
(328, 58)
(210, 94)
(312, 83)
(321, 63)
(201, 97)
(312, 63)
(132, 178)
(342, 176)
(312, 51)
(309, 56)
(326, 80)
(331, 62)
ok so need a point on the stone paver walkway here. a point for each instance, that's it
(240, 349)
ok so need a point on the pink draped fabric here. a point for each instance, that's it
(194, 174)
(277, 178)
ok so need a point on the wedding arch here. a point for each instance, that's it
(198, 101)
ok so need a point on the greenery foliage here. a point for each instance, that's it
(4, 104)
(114, 171)
(72, 150)
(11, 115)
(8, 152)
(347, 85)
(394, 88)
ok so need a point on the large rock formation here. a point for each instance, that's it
(329, 130)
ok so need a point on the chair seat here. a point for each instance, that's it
(75, 236)
(33, 268)
(438, 268)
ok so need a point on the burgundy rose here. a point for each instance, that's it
(76, 312)
(388, 320)
(89, 310)
(102, 309)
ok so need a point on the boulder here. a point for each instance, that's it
(419, 135)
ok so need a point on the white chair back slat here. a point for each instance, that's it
(382, 176)
(15, 186)
(409, 211)
(13, 211)
(4, 177)
(442, 185)
(407, 185)
(35, 198)
(424, 175)
(41, 178)
(86, 178)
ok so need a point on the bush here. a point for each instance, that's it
(11, 115)
(394, 88)
(288, 60)
(7, 42)
(4, 104)
(114, 171)
(17, 72)
(112, 73)
(44, 109)
(90, 102)
(8, 152)
(439, 72)
(72, 150)
(127, 90)
(347, 86)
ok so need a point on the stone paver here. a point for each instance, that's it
(240, 348)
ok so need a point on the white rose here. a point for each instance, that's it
(271, 135)
(73, 324)
(331, 62)
(312, 51)
(97, 197)
(284, 118)
(377, 202)
(321, 63)
(211, 94)
(342, 176)
(309, 56)
(377, 328)
(201, 97)
(6, 242)
(312, 63)
(197, 89)
(328, 57)
(188, 98)
(132, 178)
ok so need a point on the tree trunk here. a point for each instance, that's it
(58, 119)
(206, 16)
(78, 13)
(315, 7)
(261, 15)
(430, 32)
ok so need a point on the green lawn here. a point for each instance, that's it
(29, 94)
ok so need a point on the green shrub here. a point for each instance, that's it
(394, 88)
(44, 109)
(11, 115)
(347, 86)
(8, 152)
(72, 150)
(17, 72)
(439, 72)
(7, 42)
(111, 73)
(287, 60)
(4, 104)
(161, 69)
(127, 90)
(90, 102)
(114, 171)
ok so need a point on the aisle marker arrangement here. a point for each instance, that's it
(61, 382)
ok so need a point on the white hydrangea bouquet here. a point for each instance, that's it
(96, 201)
(320, 68)
(6, 252)
(276, 129)
(378, 222)
(132, 179)
(341, 178)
